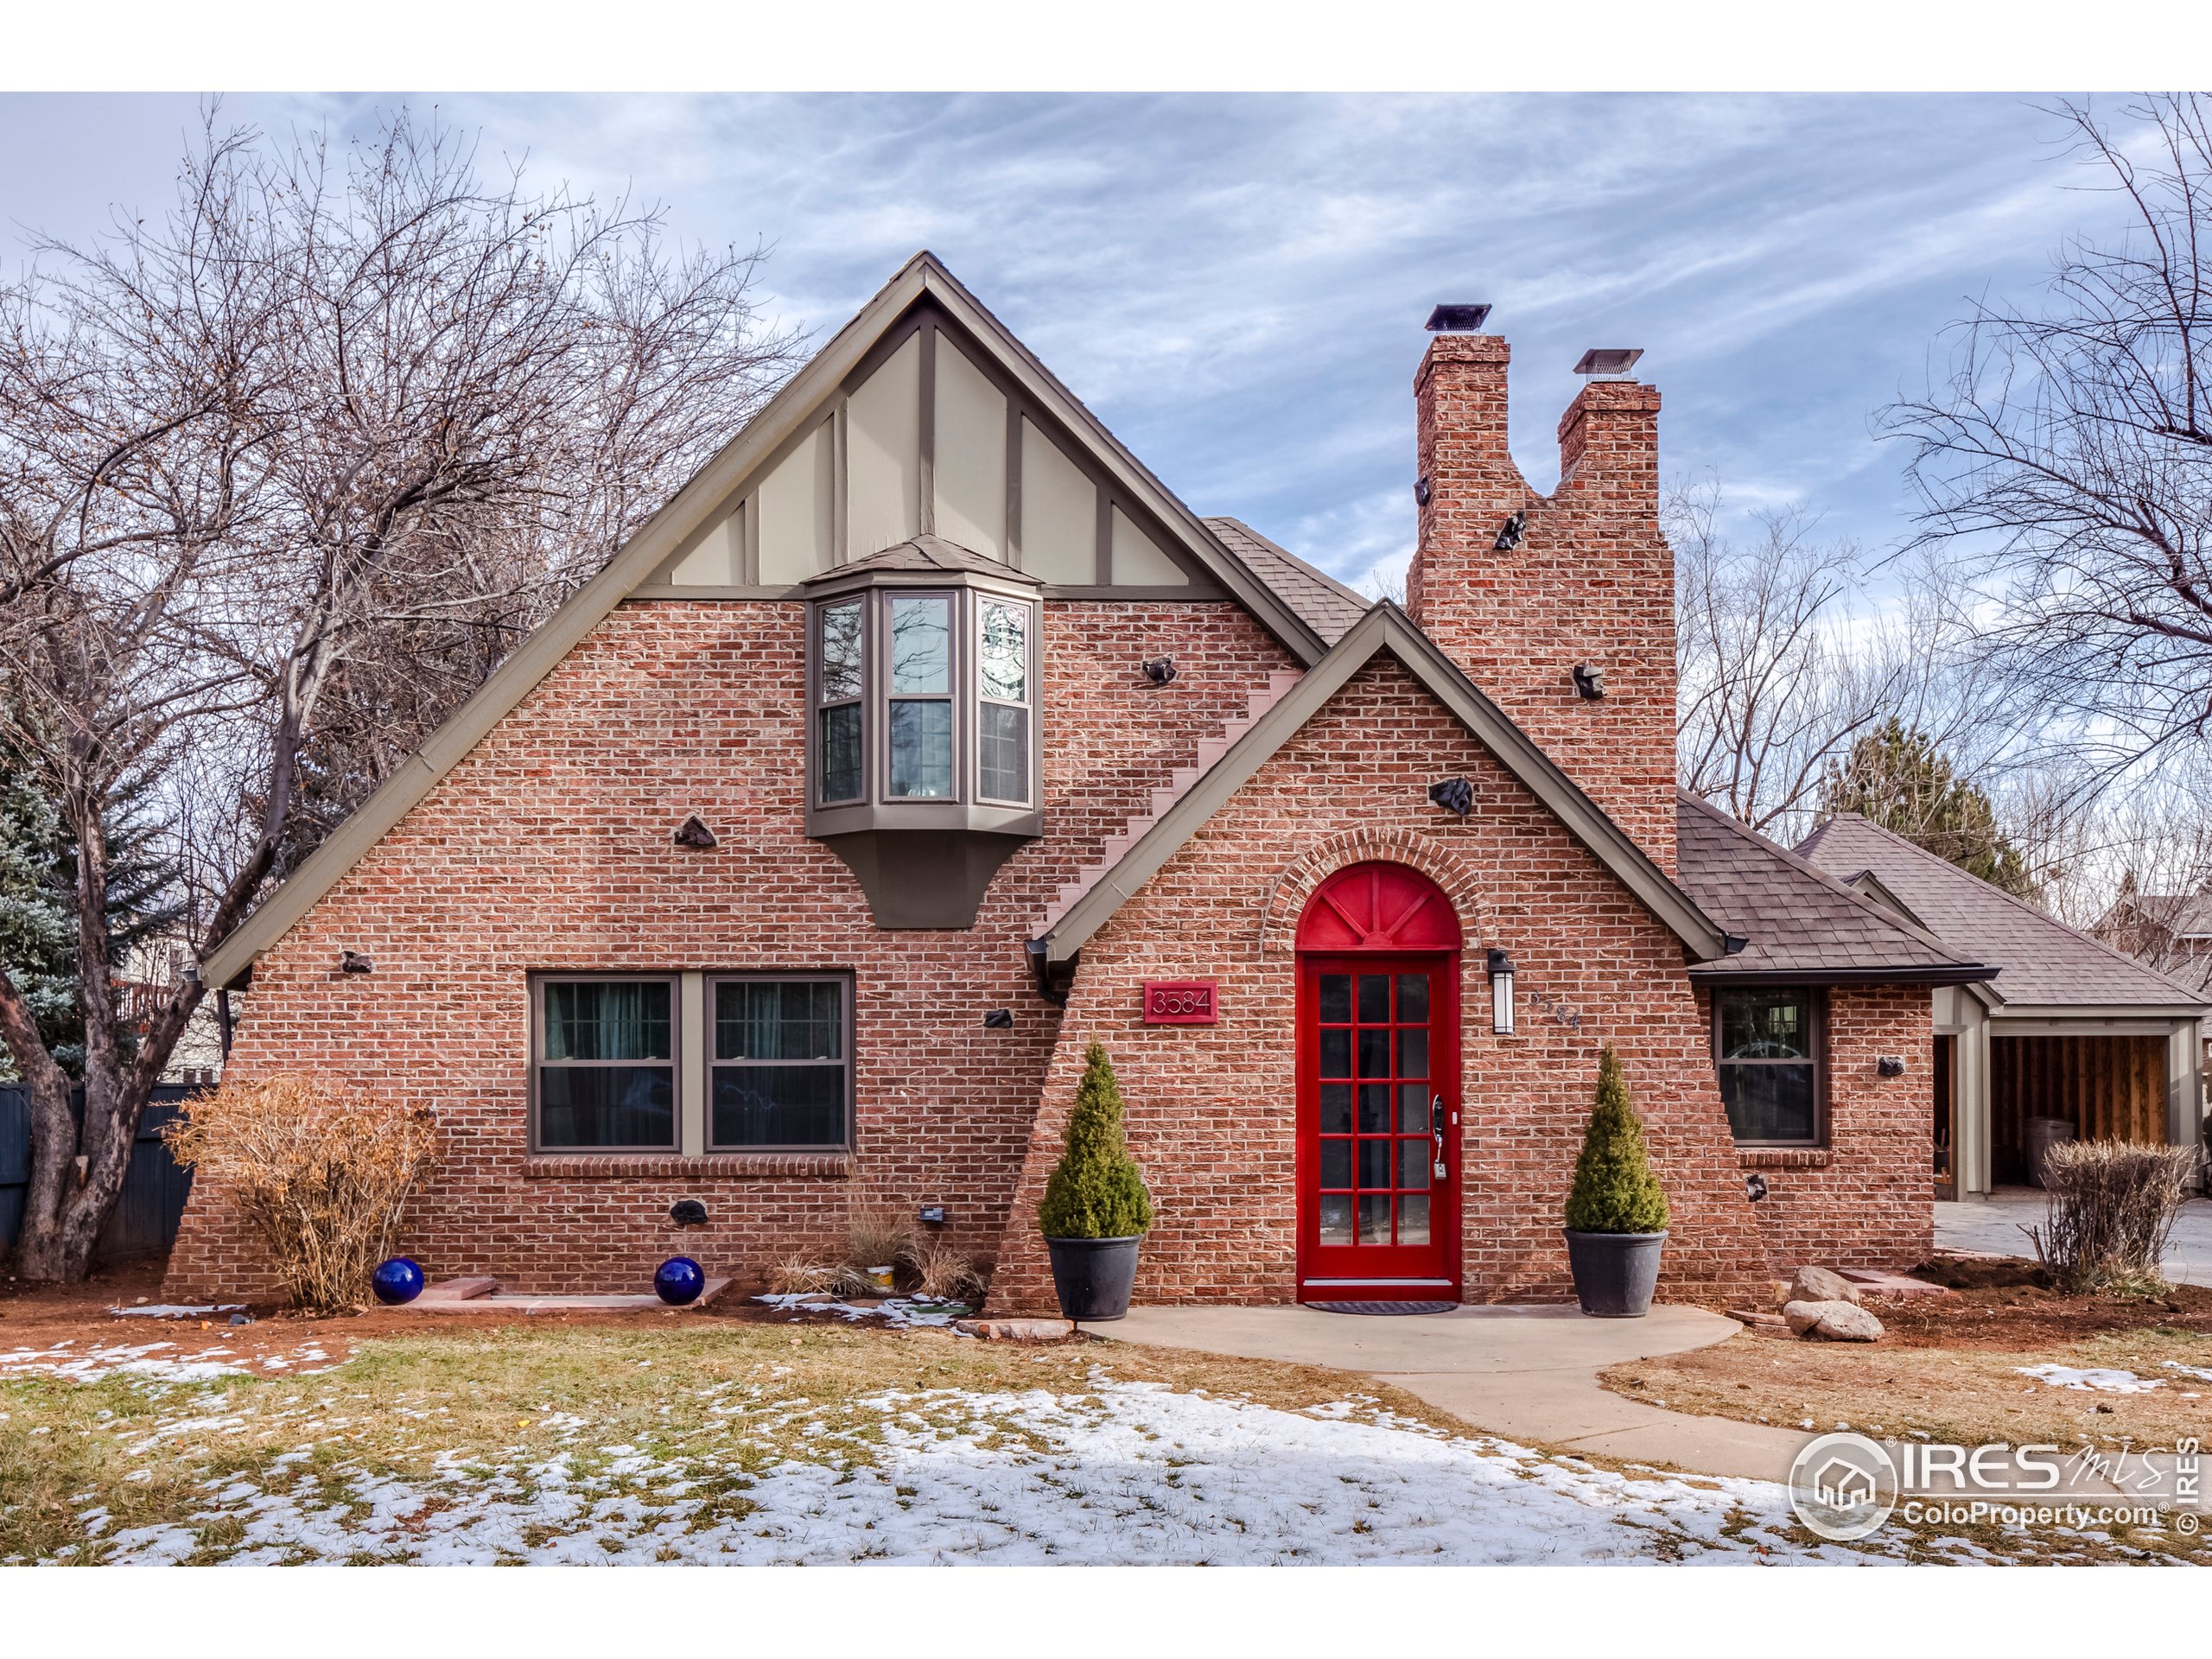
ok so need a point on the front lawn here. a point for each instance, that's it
(719, 1440)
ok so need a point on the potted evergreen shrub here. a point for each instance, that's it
(1617, 1214)
(1095, 1211)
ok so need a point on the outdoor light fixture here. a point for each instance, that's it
(1589, 683)
(999, 1020)
(1457, 319)
(1754, 1187)
(353, 962)
(931, 1215)
(1454, 795)
(1161, 669)
(1501, 993)
(693, 832)
(1608, 361)
(1424, 492)
(688, 1212)
(1891, 1065)
(1509, 534)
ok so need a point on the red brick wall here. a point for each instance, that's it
(1210, 1109)
(1864, 1200)
(550, 847)
(1593, 581)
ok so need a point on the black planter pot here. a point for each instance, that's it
(1094, 1276)
(1614, 1273)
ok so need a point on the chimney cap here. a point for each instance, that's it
(1608, 359)
(1457, 319)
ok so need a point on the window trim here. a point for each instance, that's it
(1816, 1008)
(841, 978)
(817, 704)
(1030, 615)
(536, 1061)
(956, 676)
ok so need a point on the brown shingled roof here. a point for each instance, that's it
(926, 552)
(1326, 605)
(1798, 922)
(2045, 962)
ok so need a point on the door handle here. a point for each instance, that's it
(1436, 1126)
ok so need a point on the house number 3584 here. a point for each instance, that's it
(1178, 1002)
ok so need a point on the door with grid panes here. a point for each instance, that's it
(1378, 1089)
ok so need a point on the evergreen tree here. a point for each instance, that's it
(1614, 1191)
(1095, 1190)
(1895, 777)
(38, 924)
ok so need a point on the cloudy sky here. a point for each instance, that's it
(1236, 284)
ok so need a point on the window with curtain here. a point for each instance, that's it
(1767, 1050)
(840, 648)
(1002, 707)
(605, 1064)
(780, 1063)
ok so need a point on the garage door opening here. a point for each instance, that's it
(2108, 1088)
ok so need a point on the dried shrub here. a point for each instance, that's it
(944, 1271)
(321, 1173)
(2111, 1205)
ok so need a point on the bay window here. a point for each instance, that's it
(1767, 1050)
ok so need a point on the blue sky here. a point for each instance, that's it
(1236, 284)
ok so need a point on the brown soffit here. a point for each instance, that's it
(1387, 628)
(684, 513)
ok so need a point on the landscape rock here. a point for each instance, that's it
(1819, 1285)
(1016, 1330)
(1831, 1321)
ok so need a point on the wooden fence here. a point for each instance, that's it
(2109, 1088)
(145, 1219)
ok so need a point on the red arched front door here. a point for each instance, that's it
(1379, 1089)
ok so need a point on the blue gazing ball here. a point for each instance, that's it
(679, 1281)
(396, 1280)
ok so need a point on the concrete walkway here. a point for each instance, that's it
(1993, 1224)
(1525, 1373)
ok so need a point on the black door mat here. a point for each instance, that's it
(1384, 1307)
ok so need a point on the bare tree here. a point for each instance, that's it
(1786, 655)
(283, 475)
(2068, 456)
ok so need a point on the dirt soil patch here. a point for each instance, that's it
(1951, 1367)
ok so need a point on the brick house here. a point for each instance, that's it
(925, 736)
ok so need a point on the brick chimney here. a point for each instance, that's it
(1589, 585)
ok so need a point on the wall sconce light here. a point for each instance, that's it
(688, 1212)
(1589, 683)
(1754, 1187)
(1890, 1065)
(353, 962)
(1454, 795)
(997, 1019)
(1501, 993)
(1424, 492)
(1161, 669)
(1509, 534)
(693, 832)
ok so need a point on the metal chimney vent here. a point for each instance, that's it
(1457, 319)
(1609, 361)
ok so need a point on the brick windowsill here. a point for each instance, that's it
(715, 1167)
(1783, 1157)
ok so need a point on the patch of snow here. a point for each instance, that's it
(173, 1310)
(63, 1360)
(2102, 1379)
(2201, 1373)
(892, 1311)
(1126, 1473)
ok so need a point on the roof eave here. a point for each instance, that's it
(1964, 973)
